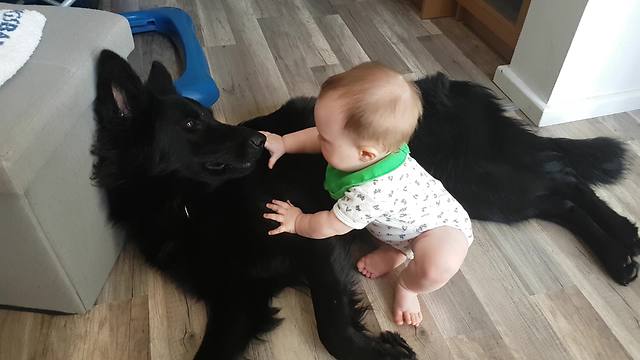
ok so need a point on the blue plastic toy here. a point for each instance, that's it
(195, 82)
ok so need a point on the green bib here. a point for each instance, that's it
(337, 182)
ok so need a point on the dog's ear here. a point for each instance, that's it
(159, 81)
(119, 90)
(435, 92)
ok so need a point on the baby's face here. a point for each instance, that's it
(338, 147)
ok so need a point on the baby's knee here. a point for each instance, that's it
(436, 272)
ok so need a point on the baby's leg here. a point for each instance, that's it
(380, 261)
(439, 253)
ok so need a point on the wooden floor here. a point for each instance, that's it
(528, 291)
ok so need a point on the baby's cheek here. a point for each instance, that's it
(331, 159)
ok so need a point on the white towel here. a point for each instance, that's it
(20, 33)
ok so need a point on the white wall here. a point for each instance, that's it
(575, 59)
(608, 37)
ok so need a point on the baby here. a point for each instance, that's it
(364, 120)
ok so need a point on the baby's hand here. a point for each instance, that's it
(275, 146)
(284, 213)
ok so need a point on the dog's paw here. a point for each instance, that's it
(393, 346)
(628, 233)
(634, 243)
(624, 272)
(618, 262)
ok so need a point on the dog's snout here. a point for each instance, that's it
(257, 140)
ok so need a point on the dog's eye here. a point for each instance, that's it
(191, 124)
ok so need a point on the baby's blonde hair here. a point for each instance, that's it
(379, 104)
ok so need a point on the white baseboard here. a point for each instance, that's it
(586, 108)
(558, 112)
(519, 93)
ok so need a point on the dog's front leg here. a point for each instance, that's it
(235, 321)
(328, 270)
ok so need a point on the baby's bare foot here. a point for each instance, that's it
(380, 261)
(406, 308)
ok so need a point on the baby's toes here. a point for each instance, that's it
(397, 317)
(407, 317)
(418, 319)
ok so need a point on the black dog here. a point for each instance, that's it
(190, 191)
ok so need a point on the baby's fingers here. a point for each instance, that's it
(278, 209)
(272, 207)
(277, 231)
(280, 203)
(272, 161)
(276, 217)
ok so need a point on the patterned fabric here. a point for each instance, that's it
(399, 206)
(20, 33)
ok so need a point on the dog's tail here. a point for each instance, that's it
(600, 160)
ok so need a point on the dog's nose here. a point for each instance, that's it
(257, 140)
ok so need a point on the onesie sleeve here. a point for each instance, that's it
(357, 209)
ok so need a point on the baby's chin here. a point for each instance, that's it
(349, 168)
(339, 166)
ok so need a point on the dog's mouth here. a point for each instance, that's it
(217, 166)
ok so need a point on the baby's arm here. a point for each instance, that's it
(303, 141)
(320, 225)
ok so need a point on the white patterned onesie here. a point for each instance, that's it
(400, 205)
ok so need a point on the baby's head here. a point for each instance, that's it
(364, 114)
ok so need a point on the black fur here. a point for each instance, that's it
(190, 191)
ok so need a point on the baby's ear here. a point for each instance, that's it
(369, 153)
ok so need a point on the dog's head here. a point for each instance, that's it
(149, 129)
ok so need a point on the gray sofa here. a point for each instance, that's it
(56, 248)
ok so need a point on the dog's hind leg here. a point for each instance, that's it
(615, 257)
(232, 324)
(328, 271)
(618, 227)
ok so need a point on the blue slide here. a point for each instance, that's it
(195, 82)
